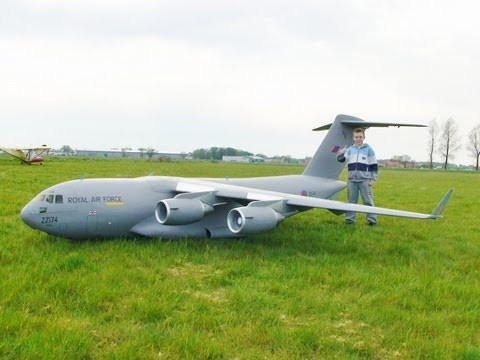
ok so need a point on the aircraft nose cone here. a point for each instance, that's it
(26, 216)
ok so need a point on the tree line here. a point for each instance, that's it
(217, 153)
(444, 137)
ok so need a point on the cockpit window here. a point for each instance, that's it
(57, 199)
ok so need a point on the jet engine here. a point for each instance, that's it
(249, 220)
(181, 211)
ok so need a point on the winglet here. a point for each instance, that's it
(437, 212)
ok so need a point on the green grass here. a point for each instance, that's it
(313, 288)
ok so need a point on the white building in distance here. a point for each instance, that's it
(243, 159)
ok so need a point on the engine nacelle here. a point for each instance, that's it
(249, 220)
(181, 211)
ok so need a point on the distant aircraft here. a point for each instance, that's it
(29, 155)
(175, 207)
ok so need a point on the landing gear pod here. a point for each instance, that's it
(249, 220)
(181, 211)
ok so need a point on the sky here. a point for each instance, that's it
(253, 75)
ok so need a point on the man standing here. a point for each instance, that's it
(362, 174)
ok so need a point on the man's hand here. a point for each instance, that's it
(371, 182)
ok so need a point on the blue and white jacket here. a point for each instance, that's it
(362, 164)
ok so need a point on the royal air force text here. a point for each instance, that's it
(94, 199)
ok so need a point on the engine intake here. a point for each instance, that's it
(181, 211)
(249, 220)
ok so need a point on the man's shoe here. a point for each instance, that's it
(349, 222)
(371, 223)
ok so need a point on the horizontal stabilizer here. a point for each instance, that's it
(353, 122)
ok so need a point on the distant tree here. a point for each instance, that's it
(432, 140)
(287, 159)
(474, 144)
(124, 151)
(403, 159)
(200, 154)
(449, 141)
(247, 153)
(142, 152)
(150, 152)
(217, 153)
(67, 150)
(229, 152)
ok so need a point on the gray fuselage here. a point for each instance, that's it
(111, 208)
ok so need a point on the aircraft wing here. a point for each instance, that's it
(342, 207)
(39, 148)
(289, 204)
(17, 153)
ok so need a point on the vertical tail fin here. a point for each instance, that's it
(324, 163)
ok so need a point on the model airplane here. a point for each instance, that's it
(29, 155)
(175, 207)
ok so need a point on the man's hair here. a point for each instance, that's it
(359, 130)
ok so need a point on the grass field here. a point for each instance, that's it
(313, 288)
